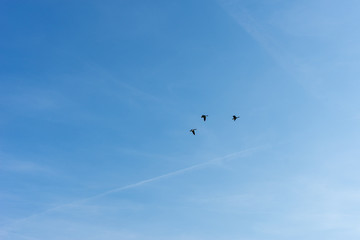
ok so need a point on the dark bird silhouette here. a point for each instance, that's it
(235, 117)
(204, 117)
(193, 130)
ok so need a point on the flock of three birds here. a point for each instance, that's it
(234, 117)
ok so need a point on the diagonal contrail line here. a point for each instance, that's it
(242, 153)
(174, 173)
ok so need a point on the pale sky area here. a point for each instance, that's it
(97, 99)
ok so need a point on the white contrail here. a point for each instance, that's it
(138, 184)
(177, 172)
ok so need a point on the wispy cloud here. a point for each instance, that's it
(287, 60)
(215, 161)
(312, 41)
(24, 167)
(118, 84)
(174, 173)
(30, 98)
(254, 28)
(105, 81)
(12, 164)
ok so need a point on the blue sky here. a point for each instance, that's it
(97, 99)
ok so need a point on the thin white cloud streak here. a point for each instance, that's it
(241, 15)
(287, 61)
(219, 160)
(100, 75)
(281, 35)
(130, 88)
(9, 163)
(24, 167)
(177, 172)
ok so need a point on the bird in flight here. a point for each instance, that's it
(204, 117)
(235, 117)
(193, 130)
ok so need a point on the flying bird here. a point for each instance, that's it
(235, 117)
(193, 130)
(204, 117)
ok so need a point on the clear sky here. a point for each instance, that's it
(97, 99)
